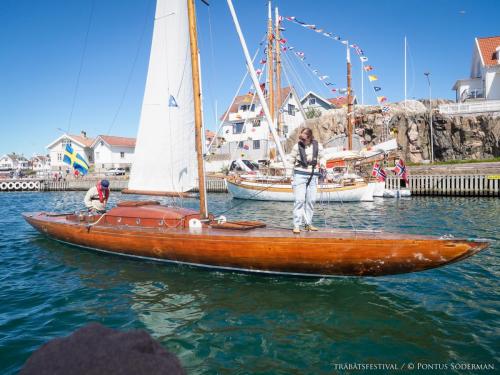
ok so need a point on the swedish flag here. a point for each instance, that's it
(74, 159)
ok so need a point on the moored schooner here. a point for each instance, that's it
(148, 230)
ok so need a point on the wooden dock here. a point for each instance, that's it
(450, 185)
(483, 185)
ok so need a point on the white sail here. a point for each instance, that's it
(165, 154)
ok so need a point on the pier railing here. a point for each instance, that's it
(452, 185)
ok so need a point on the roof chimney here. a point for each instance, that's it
(84, 134)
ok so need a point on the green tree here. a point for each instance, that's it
(313, 113)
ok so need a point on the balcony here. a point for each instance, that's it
(470, 107)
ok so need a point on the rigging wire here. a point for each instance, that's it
(311, 73)
(294, 74)
(226, 114)
(132, 69)
(77, 85)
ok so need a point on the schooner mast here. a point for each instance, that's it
(270, 60)
(349, 100)
(279, 103)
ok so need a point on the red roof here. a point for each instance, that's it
(118, 141)
(341, 101)
(83, 140)
(487, 47)
(338, 102)
(247, 99)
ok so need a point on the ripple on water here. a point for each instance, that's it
(239, 323)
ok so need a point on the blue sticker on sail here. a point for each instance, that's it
(172, 102)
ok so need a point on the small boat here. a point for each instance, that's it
(166, 142)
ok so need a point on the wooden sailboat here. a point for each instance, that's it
(148, 230)
(272, 189)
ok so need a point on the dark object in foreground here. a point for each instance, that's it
(95, 349)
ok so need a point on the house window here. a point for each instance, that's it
(244, 108)
(241, 144)
(285, 129)
(312, 101)
(102, 143)
(66, 141)
(256, 123)
(59, 157)
(253, 108)
(238, 127)
(122, 155)
(256, 145)
(291, 109)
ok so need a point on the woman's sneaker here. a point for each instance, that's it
(311, 228)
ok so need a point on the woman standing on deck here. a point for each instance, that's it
(307, 160)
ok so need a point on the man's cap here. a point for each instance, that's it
(105, 183)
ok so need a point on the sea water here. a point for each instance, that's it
(222, 322)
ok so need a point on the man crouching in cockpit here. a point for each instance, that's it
(97, 197)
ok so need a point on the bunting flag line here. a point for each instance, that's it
(321, 77)
(381, 99)
(386, 109)
(359, 51)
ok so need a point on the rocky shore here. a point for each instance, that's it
(464, 137)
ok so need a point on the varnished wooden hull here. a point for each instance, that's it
(323, 253)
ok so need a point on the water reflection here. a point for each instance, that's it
(227, 322)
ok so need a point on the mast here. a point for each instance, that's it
(270, 60)
(278, 71)
(255, 82)
(405, 73)
(362, 83)
(195, 66)
(349, 100)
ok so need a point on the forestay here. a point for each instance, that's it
(165, 156)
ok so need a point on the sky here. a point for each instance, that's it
(72, 65)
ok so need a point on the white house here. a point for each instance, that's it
(80, 143)
(312, 101)
(484, 81)
(40, 164)
(319, 104)
(113, 152)
(245, 130)
(13, 162)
